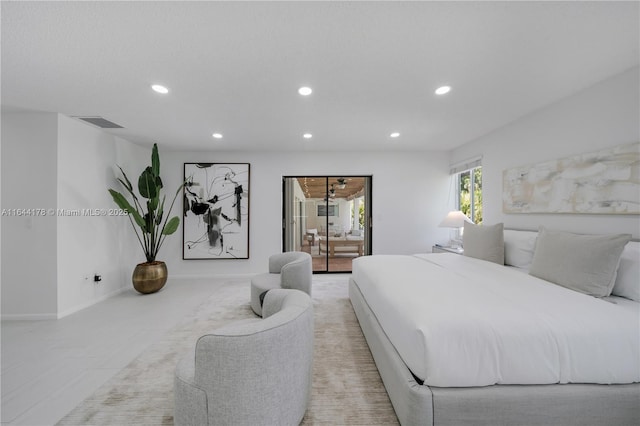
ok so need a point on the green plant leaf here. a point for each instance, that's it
(152, 204)
(147, 184)
(148, 222)
(122, 202)
(155, 160)
(139, 220)
(125, 185)
(151, 215)
(160, 211)
(128, 183)
(183, 185)
(171, 226)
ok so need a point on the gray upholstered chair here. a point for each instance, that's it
(252, 372)
(292, 269)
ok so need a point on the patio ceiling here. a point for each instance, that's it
(316, 187)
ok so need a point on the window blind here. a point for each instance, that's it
(465, 165)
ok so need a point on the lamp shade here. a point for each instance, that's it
(455, 219)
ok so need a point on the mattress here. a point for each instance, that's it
(457, 321)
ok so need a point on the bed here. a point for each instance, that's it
(460, 340)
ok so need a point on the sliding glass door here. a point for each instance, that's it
(329, 217)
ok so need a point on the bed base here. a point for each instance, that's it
(416, 404)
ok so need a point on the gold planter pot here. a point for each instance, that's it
(149, 277)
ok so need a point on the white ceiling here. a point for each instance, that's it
(235, 67)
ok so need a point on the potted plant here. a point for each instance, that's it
(150, 216)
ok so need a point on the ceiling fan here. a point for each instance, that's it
(341, 183)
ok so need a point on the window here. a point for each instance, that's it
(470, 194)
(468, 178)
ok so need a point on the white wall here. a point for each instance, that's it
(67, 165)
(409, 200)
(342, 221)
(605, 115)
(0, 218)
(100, 243)
(50, 161)
(53, 162)
(29, 255)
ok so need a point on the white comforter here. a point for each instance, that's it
(458, 321)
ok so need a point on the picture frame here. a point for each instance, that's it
(600, 182)
(215, 221)
(327, 210)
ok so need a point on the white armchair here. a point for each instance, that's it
(252, 372)
(292, 269)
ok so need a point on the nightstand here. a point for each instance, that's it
(444, 249)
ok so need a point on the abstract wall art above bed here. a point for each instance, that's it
(216, 211)
(601, 182)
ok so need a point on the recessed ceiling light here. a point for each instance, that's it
(443, 90)
(160, 89)
(217, 135)
(394, 134)
(307, 136)
(305, 91)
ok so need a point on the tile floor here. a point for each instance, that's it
(49, 367)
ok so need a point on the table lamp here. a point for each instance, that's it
(455, 219)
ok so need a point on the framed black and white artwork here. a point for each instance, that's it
(215, 222)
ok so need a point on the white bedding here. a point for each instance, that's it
(457, 321)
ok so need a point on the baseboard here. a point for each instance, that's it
(86, 305)
(52, 316)
(28, 317)
(211, 276)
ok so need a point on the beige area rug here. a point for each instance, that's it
(347, 389)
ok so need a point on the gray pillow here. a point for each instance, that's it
(484, 242)
(584, 263)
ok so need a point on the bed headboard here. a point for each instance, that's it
(535, 230)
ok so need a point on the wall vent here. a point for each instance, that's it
(100, 122)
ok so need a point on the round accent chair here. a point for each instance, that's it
(292, 269)
(254, 372)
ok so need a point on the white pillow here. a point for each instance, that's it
(519, 247)
(484, 242)
(584, 263)
(628, 278)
